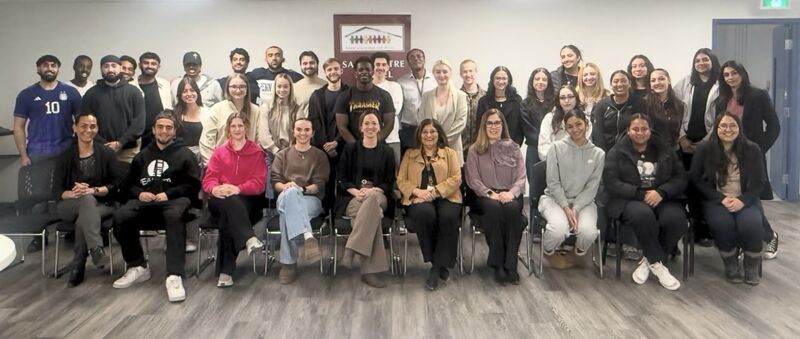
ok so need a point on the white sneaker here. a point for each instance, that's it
(664, 277)
(253, 244)
(134, 275)
(642, 272)
(224, 280)
(191, 247)
(175, 290)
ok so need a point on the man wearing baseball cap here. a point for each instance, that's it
(119, 108)
(210, 90)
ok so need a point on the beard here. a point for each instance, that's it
(149, 71)
(48, 77)
(111, 77)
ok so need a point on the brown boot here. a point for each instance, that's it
(288, 274)
(373, 279)
(312, 251)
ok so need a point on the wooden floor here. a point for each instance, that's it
(570, 303)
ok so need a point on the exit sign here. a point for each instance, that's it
(775, 4)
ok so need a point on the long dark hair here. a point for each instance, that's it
(180, 107)
(647, 64)
(441, 141)
(549, 92)
(717, 158)
(511, 92)
(558, 112)
(713, 73)
(654, 104)
(725, 91)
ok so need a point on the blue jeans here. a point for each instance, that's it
(296, 211)
(269, 192)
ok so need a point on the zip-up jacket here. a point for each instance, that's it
(610, 120)
(244, 168)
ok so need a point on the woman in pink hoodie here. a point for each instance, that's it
(235, 179)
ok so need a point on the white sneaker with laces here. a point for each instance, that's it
(191, 247)
(664, 277)
(642, 272)
(253, 244)
(175, 291)
(134, 275)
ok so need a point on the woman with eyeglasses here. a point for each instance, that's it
(552, 128)
(237, 100)
(495, 172)
(729, 173)
(502, 96)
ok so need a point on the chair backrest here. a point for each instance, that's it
(539, 182)
(34, 185)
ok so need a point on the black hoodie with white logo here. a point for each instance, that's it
(173, 170)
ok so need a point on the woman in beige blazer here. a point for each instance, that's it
(447, 105)
(430, 180)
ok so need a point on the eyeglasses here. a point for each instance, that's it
(567, 97)
(731, 127)
(238, 87)
(497, 123)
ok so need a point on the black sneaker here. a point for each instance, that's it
(513, 277)
(98, 256)
(433, 280)
(35, 245)
(771, 250)
(500, 275)
(444, 273)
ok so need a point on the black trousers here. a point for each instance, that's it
(657, 229)
(436, 224)
(503, 225)
(235, 216)
(128, 221)
(735, 229)
(407, 140)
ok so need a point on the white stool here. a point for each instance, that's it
(8, 251)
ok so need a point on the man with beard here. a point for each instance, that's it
(309, 65)
(83, 68)
(265, 77)
(157, 95)
(46, 108)
(119, 108)
(414, 84)
(210, 90)
(322, 113)
(162, 182)
(240, 59)
(381, 60)
(127, 68)
(363, 97)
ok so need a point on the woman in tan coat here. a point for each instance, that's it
(447, 105)
(429, 179)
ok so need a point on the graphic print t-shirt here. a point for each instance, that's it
(647, 164)
(354, 102)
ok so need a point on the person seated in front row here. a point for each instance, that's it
(645, 181)
(495, 171)
(235, 179)
(430, 180)
(366, 176)
(729, 174)
(574, 171)
(163, 179)
(299, 174)
(89, 173)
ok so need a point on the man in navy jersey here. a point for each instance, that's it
(46, 108)
(265, 77)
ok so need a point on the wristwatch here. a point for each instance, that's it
(304, 189)
(96, 190)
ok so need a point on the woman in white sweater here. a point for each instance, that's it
(447, 105)
(552, 128)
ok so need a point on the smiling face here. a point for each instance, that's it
(237, 130)
(333, 72)
(149, 67)
(494, 127)
(48, 71)
(85, 128)
(620, 84)
(127, 70)
(110, 71)
(639, 132)
(702, 64)
(659, 82)
(164, 130)
(540, 81)
(283, 88)
(381, 67)
(429, 136)
(192, 69)
(309, 66)
(589, 77)
(638, 68)
(82, 68)
(302, 132)
(566, 99)
(239, 63)
(469, 71)
(500, 81)
(569, 59)
(728, 129)
(364, 72)
(370, 126)
(732, 77)
(576, 128)
(237, 88)
(441, 73)
(189, 95)
(416, 60)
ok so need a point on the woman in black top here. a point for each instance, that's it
(189, 111)
(728, 172)
(366, 177)
(640, 68)
(669, 114)
(567, 73)
(540, 100)
(645, 180)
(89, 173)
(500, 94)
(611, 115)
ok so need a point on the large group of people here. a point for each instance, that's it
(144, 151)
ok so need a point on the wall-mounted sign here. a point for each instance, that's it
(361, 35)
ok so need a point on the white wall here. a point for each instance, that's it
(520, 34)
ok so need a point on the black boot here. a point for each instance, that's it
(78, 267)
(733, 272)
(752, 263)
(432, 283)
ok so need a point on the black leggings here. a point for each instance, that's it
(657, 229)
(436, 224)
(503, 225)
(236, 215)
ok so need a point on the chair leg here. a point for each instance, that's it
(44, 249)
(460, 249)
(617, 231)
(472, 254)
(600, 252)
(335, 250)
(110, 252)
(405, 251)
(691, 253)
(55, 265)
(686, 255)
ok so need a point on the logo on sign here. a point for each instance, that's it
(359, 38)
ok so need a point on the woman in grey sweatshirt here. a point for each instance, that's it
(574, 170)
